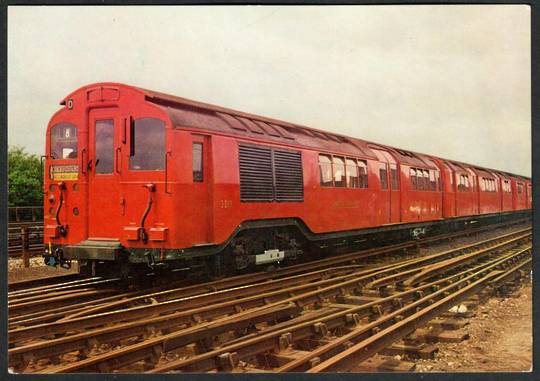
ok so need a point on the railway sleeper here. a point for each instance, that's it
(271, 360)
(412, 350)
(200, 337)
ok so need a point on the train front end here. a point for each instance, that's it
(105, 180)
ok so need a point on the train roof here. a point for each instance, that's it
(185, 112)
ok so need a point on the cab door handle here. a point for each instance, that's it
(167, 154)
(118, 158)
(83, 167)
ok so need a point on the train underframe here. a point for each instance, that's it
(254, 245)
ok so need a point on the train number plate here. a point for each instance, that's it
(64, 172)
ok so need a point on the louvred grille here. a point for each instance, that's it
(270, 175)
(256, 179)
(288, 175)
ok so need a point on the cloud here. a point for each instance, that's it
(448, 80)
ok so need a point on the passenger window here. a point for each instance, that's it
(147, 151)
(198, 162)
(63, 141)
(431, 180)
(438, 176)
(363, 177)
(394, 178)
(461, 184)
(339, 171)
(352, 174)
(104, 146)
(325, 168)
(383, 174)
(414, 183)
(419, 179)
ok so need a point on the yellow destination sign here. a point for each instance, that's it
(65, 172)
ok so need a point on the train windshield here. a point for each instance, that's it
(64, 141)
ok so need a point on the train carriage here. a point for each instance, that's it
(506, 191)
(519, 192)
(134, 177)
(489, 191)
(420, 187)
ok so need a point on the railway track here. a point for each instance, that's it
(50, 302)
(224, 325)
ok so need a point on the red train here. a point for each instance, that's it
(133, 176)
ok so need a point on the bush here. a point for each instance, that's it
(24, 183)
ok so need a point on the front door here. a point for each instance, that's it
(103, 175)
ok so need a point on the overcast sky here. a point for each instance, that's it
(452, 81)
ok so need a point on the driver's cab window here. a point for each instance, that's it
(63, 141)
(147, 150)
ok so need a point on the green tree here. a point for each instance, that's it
(24, 183)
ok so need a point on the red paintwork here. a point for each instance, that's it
(506, 197)
(519, 200)
(187, 213)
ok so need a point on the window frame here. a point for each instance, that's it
(414, 179)
(383, 179)
(97, 167)
(321, 178)
(200, 178)
(53, 141)
(363, 177)
(343, 180)
(394, 177)
(133, 142)
(352, 181)
(360, 165)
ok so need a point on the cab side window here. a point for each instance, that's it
(198, 175)
(147, 149)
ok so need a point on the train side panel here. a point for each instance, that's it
(421, 198)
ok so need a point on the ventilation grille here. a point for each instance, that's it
(270, 175)
(256, 178)
(288, 175)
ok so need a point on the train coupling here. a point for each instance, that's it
(55, 258)
(152, 263)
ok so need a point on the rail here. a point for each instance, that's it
(299, 305)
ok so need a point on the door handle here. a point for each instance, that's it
(167, 171)
(119, 149)
(89, 165)
(83, 167)
(41, 169)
